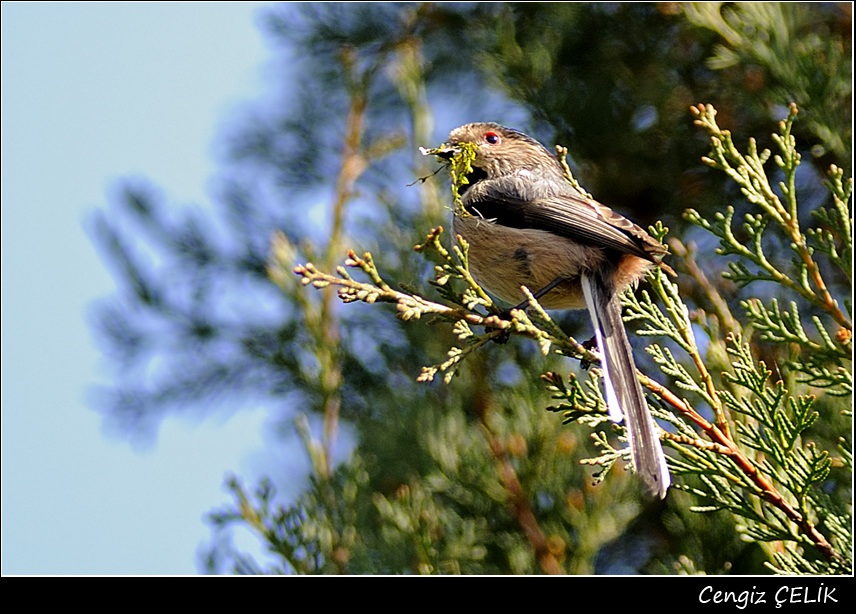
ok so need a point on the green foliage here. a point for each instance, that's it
(482, 466)
(807, 66)
(756, 459)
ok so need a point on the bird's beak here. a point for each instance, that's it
(446, 152)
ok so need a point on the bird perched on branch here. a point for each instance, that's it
(527, 225)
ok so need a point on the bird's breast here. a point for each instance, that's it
(502, 259)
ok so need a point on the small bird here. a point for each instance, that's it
(527, 225)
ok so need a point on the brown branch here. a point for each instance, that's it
(687, 254)
(771, 205)
(668, 292)
(727, 447)
(829, 304)
(414, 306)
(523, 513)
(351, 167)
(409, 305)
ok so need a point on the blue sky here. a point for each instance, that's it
(91, 93)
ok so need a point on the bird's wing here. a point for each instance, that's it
(567, 214)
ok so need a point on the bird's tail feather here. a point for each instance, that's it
(624, 394)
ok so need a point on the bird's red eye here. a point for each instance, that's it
(491, 137)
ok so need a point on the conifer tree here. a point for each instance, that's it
(433, 450)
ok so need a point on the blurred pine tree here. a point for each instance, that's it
(474, 476)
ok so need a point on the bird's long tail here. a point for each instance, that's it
(624, 396)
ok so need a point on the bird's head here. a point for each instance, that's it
(495, 151)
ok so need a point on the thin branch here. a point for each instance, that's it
(523, 513)
(727, 447)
